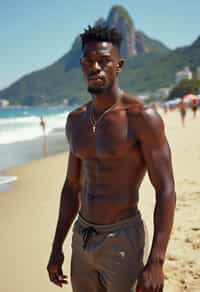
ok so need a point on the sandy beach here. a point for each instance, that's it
(29, 213)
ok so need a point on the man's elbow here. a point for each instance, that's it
(167, 193)
(169, 196)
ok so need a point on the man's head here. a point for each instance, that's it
(101, 33)
(100, 59)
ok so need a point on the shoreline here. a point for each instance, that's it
(23, 152)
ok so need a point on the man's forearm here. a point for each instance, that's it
(69, 206)
(163, 221)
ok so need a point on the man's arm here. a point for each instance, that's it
(69, 202)
(157, 155)
(69, 207)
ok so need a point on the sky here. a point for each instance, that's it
(35, 33)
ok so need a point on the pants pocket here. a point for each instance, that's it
(136, 236)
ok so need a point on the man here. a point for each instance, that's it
(194, 107)
(113, 141)
(183, 109)
(45, 145)
(43, 125)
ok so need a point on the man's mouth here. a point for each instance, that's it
(95, 77)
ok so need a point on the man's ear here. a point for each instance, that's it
(120, 65)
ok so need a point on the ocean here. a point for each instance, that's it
(21, 135)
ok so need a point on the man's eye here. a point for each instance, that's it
(85, 61)
(105, 60)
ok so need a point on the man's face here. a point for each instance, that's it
(100, 64)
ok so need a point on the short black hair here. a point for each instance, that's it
(101, 33)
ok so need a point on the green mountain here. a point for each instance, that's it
(151, 72)
(148, 65)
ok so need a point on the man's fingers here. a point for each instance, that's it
(64, 276)
(58, 279)
(61, 276)
(62, 279)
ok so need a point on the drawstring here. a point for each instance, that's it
(87, 232)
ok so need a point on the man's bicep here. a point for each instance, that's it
(159, 165)
(73, 170)
(156, 151)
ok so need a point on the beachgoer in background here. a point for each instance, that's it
(183, 108)
(43, 125)
(45, 146)
(194, 107)
(165, 108)
(113, 139)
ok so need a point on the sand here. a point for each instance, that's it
(29, 214)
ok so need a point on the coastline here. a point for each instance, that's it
(30, 208)
(23, 152)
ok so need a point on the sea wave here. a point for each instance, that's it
(15, 129)
(18, 120)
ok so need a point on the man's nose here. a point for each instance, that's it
(96, 66)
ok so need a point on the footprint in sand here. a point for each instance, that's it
(171, 258)
(190, 182)
(188, 240)
(195, 228)
(196, 245)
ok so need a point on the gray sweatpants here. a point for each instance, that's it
(108, 258)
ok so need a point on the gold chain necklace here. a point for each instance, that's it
(95, 122)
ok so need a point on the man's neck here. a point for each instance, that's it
(103, 101)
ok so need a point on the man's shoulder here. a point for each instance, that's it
(132, 104)
(136, 108)
(78, 112)
(144, 120)
(80, 109)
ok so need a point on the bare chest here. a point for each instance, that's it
(112, 137)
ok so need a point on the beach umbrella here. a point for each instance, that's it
(172, 102)
(190, 97)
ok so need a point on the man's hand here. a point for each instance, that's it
(151, 278)
(54, 268)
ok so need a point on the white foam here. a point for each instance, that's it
(7, 179)
(20, 120)
(27, 128)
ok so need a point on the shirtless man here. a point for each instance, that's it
(43, 125)
(183, 108)
(114, 139)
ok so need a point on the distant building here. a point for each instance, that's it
(182, 75)
(4, 103)
(198, 73)
(162, 92)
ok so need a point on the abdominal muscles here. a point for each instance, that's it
(110, 189)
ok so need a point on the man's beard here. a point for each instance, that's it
(98, 90)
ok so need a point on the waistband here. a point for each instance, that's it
(103, 228)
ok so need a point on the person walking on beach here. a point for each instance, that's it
(183, 108)
(43, 126)
(194, 107)
(114, 139)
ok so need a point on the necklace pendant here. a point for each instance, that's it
(94, 129)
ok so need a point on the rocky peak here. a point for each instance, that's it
(196, 43)
(133, 43)
(120, 18)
